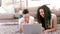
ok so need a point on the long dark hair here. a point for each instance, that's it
(47, 16)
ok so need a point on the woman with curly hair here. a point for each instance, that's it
(48, 20)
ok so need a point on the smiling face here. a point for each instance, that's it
(26, 17)
(41, 11)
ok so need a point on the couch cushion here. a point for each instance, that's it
(6, 16)
(57, 12)
(33, 11)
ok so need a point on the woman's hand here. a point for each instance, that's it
(43, 29)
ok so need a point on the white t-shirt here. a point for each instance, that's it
(31, 20)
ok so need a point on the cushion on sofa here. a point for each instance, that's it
(6, 16)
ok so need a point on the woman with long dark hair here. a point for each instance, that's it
(48, 20)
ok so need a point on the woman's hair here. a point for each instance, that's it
(47, 14)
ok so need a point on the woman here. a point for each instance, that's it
(48, 20)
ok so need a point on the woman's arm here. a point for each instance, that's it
(54, 24)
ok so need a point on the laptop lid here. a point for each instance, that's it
(32, 29)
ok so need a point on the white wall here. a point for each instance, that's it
(42, 2)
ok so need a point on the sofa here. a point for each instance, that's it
(32, 12)
(7, 12)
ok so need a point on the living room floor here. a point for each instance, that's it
(9, 26)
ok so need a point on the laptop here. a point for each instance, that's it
(32, 29)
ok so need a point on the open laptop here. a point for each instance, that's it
(32, 29)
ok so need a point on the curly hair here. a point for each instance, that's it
(47, 17)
